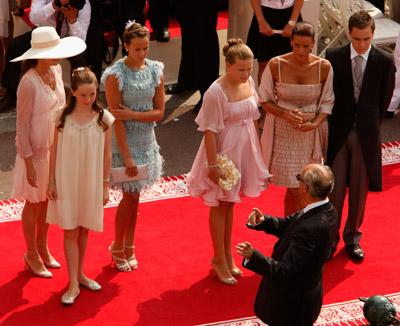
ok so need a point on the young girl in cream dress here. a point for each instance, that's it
(80, 166)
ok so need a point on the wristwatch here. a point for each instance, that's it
(291, 23)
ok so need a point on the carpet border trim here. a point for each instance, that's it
(335, 314)
(170, 187)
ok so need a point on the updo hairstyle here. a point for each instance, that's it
(134, 30)
(303, 29)
(236, 49)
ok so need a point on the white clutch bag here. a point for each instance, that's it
(118, 174)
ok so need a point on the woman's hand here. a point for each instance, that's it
(265, 29)
(293, 117)
(307, 126)
(245, 249)
(106, 194)
(130, 167)
(214, 173)
(287, 30)
(123, 113)
(52, 191)
(31, 175)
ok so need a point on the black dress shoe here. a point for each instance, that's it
(175, 89)
(355, 252)
(162, 35)
(389, 115)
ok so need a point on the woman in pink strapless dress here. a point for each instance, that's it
(296, 92)
(227, 119)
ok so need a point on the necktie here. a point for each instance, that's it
(358, 71)
(59, 21)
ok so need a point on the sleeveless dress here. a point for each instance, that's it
(137, 89)
(233, 123)
(79, 175)
(35, 129)
(293, 149)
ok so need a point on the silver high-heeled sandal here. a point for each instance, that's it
(132, 261)
(120, 264)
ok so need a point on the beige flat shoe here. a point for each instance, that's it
(68, 299)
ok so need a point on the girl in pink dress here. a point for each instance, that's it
(40, 91)
(228, 118)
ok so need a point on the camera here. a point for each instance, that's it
(78, 4)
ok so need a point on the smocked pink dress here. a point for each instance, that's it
(35, 129)
(233, 123)
(286, 149)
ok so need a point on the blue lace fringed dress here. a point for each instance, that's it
(137, 89)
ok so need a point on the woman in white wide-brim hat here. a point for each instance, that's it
(40, 91)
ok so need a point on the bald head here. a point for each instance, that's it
(319, 179)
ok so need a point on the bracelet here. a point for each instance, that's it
(106, 180)
(291, 23)
(212, 166)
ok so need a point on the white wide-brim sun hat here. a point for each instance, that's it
(46, 44)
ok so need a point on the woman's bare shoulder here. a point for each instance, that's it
(325, 68)
(273, 66)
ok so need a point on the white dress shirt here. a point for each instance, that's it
(354, 53)
(277, 4)
(316, 204)
(43, 14)
(394, 103)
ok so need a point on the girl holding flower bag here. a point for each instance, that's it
(229, 161)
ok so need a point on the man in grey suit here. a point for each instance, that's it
(363, 85)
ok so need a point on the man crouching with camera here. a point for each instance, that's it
(290, 292)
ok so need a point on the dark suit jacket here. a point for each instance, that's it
(290, 292)
(368, 113)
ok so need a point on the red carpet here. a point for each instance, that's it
(175, 30)
(172, 285)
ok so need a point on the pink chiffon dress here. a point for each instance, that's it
(233, 123)
(35, 130)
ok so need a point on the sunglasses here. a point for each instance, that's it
(299, 177)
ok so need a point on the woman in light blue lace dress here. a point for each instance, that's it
(135, 94)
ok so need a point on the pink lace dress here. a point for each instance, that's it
(292, 149)
(233, 123)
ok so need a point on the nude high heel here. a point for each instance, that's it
(43, 273)
(132, 261)
(120, 264)
(224, 280)
(51, 262)
(235, 271)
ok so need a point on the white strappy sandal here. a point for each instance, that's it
(120, 264)
(132, 261)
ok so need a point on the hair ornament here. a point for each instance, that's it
(78, 69)
(129, 23)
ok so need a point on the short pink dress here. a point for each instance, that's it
(233, 123)
(35, 130)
